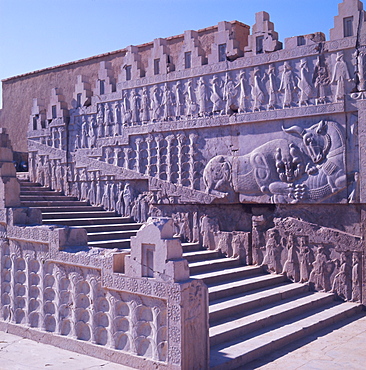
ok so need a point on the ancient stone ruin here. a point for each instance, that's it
(189, 198)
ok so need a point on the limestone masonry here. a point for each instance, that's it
(194, 202)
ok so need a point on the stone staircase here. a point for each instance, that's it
(251, 313)
(105, 229)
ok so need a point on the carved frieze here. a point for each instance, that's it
(285, 170)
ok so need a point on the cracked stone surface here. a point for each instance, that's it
(337, 348)
(18, 353)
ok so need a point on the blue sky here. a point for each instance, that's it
(36, 34)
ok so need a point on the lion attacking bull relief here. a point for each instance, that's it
(286, 170)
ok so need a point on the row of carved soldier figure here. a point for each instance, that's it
(218, 94)
(303, 264)
(47, 172)
(248, 90)
(113, 196)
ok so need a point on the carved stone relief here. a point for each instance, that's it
(285, 171)
(328, 260)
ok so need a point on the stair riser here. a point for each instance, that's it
(280, 343)
(233, 310)
(126, 235)
(111, 245)
(56, 204)
(231, 276)
(85, 222)
(31, 195)
(202, 257)
(37, 189)
(68, 215)
(271, 320)
(245, 288)
(107, 228)
(191, 247)
(66, 210)
(219, 266)
(46, 198)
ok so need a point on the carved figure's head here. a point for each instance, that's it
(217, 174)
(316, 140)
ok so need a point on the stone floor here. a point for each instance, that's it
(339, 347)
(17, 353)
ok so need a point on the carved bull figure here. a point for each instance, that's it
(324, 142)
(284, 171)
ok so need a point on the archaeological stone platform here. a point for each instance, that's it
(193, 202)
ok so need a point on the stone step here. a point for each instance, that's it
(211, 265)
(214, 277)
(236, 287)
(39, 192)
(26, 183)
(240, 351)
(77, 214)
(107, 228)
(86, 221)
(35, 189)
(261, 317)
(202, 255)
(190, 247)
(111, 235)
(48, 198)
(69, 209)
(55, 203)
(111, 244)
(226, 307)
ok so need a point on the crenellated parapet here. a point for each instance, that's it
(264, 38)
(82, 93)
(132, 67)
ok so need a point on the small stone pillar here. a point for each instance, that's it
(9, 185)
(156, 255)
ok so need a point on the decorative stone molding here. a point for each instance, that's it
(77, 295)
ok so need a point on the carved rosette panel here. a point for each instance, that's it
(71, 301)
(36, 296)
(139, 325)
(6, 280)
